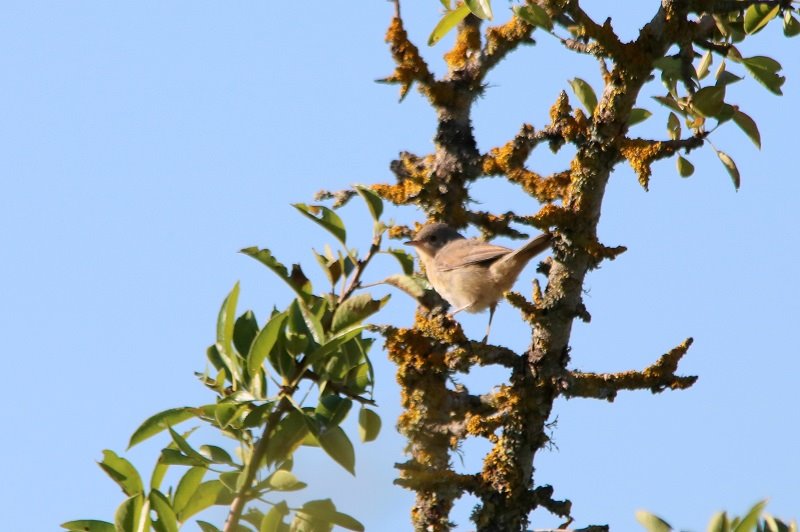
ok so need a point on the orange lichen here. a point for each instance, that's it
(640, 154)
(400, 194)
(468, 42)
(506, 36)
(410, 65)
(552, 216)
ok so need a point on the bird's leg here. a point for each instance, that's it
(456, 311)
(488, 327)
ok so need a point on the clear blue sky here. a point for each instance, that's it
(142, 144)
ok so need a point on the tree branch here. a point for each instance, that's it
(656, 378)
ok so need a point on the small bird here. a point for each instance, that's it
(471, 274)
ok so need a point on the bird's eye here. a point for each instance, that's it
(432, 238)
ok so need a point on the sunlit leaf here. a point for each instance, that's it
(187, 486)
(264, 342)
(332, 409)
(244, 331)
(185, 448)
(638, 115)
(719, 523)
(317, 514)
(685, 168)
(405, 259)
(324, 217)
(791, 27)
(708, 101)
(750, 520)
(355, 309)
(204, 496)
(730, 166)
(373, 201)
(167, 520)
(765, 71)
(335, 442)
(205, 526)
(297, 281)
(704, 65)
(126, 518)
(88, 525)
(282, 480)
(447, 23)
(159, 422)
(673, 126)
(758, 15)
(749, 127)
(652, 523)
(585, 94)
(369, 425)
(534, 15)
(274, 518)
(122, 472)
(480, 8)
(287, 437)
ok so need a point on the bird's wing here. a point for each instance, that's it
(462, 253)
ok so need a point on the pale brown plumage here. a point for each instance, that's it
(471, 274)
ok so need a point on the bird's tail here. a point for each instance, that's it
(513, 263)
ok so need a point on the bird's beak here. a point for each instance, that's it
(412, 243)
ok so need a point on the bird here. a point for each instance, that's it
(470, 274)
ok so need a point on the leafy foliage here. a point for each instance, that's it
(755, 520)
(316, 343)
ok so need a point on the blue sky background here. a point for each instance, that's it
(143, 144)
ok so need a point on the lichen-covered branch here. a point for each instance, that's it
(658, 377)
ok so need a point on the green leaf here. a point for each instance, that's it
(274, 518)
(122, 472)
(330, 266)
(638, 115)
(175, 457)
(315, 515)
(207, 527)
(218, 455)
(749, 521)
(359, 378)
(282, 480)
(167, 520)
(730, 166)
(669, 101)
(719, 523)
(534, 15)
(704, 65)
(405, 259)
(325, 218)
(244, 331)
(159, 422)
(297, 280)
(480, 8)
(264, 342)
(204, 496)
(287, 437)
(652, 523)
(126, 518)
(332, 409)
(758, 15)
(185, 448)
(673, 126)
(791, 27)
(765, 71)
(225, 323)
(685, 168)
(88, 525)
(369, 425)
(708, 100)
(187, 486)
(585, 94)
(749, 127)
(355, 309)
(447, 23)
(335, 442)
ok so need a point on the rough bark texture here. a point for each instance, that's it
(514, 418)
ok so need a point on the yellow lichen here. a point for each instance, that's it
(640, 154)
(468, 42)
